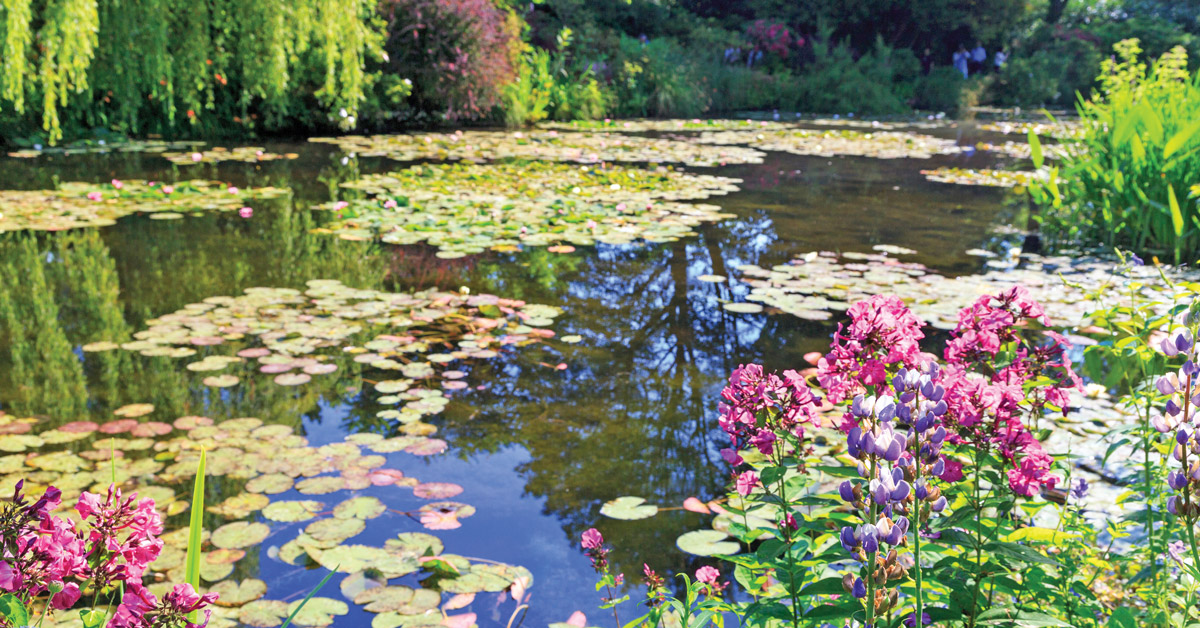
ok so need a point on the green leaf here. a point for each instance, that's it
(196, 532)
(1180, 139)
(1017, 552)
(14, 610)
(1176, 214)
(1035, 150)
(92, 618)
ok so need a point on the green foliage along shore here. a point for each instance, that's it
(91, 69)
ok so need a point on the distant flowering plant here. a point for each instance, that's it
(46, 555)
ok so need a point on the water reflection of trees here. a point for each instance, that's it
(634, 413)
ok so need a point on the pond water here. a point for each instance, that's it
(542, 435)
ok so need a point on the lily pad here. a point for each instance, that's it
(240, 534)
(436, 490)
(291, 511)
(707, 543)
(398, 599)
(238, 593)
(264, 613)
(319, 611)
(359, 508)
(335, 529)
(270, 483)
(628, 508)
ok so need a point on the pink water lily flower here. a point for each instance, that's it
(197, 156)
(245, 212)
(94, 196)
(116, 183)
(167, 189)
(233, 189)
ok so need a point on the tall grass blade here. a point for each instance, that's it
(196, 532)
(1035, 150)
(310, 595)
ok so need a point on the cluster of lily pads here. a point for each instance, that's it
(275, 504)
(217, 154)
(815, 285)
(75, 205)
(541, 145)
(1059, 129)
(105, 146)
(880, 145)
(982, 176)
(294, 336)
(469, 208)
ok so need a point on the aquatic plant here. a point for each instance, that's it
(942, 475)
(1137, 154)
(877, 144)
(590, 147)
(75, 205)
(469, 208)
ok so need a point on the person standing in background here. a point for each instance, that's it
(927, 61)
(978, 58)
(960, 60)
(1000, 58)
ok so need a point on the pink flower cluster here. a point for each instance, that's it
(989, 403)
(883, 333)
(772, 37)
(47, 554)
(757, 407)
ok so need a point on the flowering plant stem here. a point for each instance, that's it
(872, 556)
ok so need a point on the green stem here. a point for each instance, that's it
(916, 526)
(871, 557)
(978, 542)
(791, 561)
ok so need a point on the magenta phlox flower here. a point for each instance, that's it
(747, 481)
(882, 332)
(758, 408)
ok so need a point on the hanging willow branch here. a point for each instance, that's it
(184, 66)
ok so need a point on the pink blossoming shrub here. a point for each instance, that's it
(115, 544)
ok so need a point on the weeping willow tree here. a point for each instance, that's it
(186, 66)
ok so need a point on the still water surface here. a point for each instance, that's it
(537, 449)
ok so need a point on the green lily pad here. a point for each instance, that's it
(263, 613)
(415, 544)
(321, 485)
(398, 599)
(335, 529)
(270, 484)
(241, 505)
(238, 593)
(743, 308)
(707, 543)
(318, 611)
(628, 508)
(291, 511)
(240, 534)
(359, 508)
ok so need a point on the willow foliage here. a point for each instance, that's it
(183, 66)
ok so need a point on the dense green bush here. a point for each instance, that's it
(545, 88)
(657, 78)
(1125, 182)
(1050, 69)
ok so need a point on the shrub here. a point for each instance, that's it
(1125, 182)
(658, 78)
(458, 53)
(940, 90)
(545, 88)
(1037, 74)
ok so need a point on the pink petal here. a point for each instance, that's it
(578, 619)
(466, 620)
(695, 505)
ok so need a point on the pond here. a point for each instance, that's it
(621, 400)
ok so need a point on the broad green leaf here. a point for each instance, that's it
(707, 543)
(1035, 150)
(13, 610)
